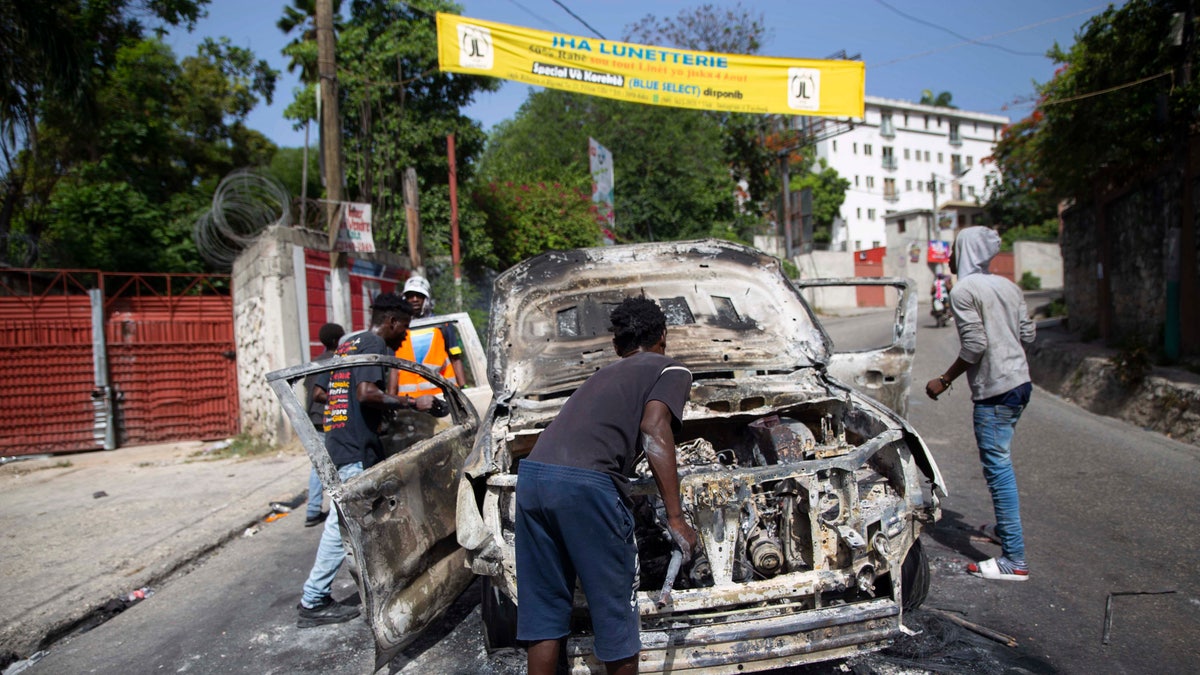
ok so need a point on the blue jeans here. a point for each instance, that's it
(330, 552)
(316, 494)
(994, 427)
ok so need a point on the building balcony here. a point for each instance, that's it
(889, 163)
(956, 140)
(891, 197)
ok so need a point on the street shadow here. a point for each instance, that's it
(959, 536)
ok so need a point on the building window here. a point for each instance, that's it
(856, 181)
(855, 148)
(900, 227)
(971, 190)
(940, 160)
(908, 184)
(939, 121)
(857, 244)
(886, 128)
(867, 149)
(956, 165)
(976, 127)
(835, 145)
(871, 216)
(906, 119)
(969, 161)
(920, 186)
(927, 121)
(889, 157)
(870, 182)
(889, 189)
(955, 138)
(926, 155)
(875, 244)
(956, 191)
(942, 188)
(858, 213)
(906, 153)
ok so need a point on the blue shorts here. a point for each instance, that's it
(572, 522)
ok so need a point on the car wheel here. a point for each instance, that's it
(499, 614)
(914, 577)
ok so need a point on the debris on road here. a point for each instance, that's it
(976, 628)
(1108, 609)
(98, 494)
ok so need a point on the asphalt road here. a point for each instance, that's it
(1107, 507)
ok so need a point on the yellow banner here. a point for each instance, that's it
(651, 75)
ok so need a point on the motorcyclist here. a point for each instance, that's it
(940, 293)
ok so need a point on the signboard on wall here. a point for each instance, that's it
(651, 75)
(939, 252)
(354, 235)
(601, 165)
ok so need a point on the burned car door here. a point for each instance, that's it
(398, 517)
(876, 363)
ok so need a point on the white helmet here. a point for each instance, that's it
(416, 284)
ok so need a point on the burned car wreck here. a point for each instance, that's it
(808, 496)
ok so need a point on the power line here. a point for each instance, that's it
(580, 20)
(988, 38)
(539, 17)
(957, 35)
(1106, 91)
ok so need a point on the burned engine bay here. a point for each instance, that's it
(795, 479)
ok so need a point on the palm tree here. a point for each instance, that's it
(942, 100)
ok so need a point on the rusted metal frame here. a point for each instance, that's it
(66, 276)
(138, 280)
(861, 627)
(848, 462)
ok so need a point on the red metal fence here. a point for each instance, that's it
(169, 353)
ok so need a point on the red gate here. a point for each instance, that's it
(869, 263)
(169, 354)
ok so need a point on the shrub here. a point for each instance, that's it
(1030, 281)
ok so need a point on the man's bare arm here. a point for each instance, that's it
(659, 444)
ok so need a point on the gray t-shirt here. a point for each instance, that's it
(599, 427)
(992, 321)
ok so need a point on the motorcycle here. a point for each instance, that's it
(940, 312)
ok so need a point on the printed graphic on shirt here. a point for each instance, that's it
(337, 408)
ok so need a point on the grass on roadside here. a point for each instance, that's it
(242, 445)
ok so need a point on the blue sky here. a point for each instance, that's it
(904, 55)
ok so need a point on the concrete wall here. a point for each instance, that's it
(266, 332)
(828, 265)
(269, 328)
(1042, 259)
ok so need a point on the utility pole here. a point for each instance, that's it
(784, 170)
(331, 144)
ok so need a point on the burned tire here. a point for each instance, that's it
(914, 577)
(499, 614)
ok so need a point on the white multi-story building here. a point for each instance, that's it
(898, 155)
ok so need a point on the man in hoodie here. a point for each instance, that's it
(989, 312)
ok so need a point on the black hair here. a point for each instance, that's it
(329, 335)
(389, 305)
(637, 322)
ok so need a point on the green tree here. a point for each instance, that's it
(1116, 107)
(828, 194)
(735, 30)
(165, 132)
(397, 110)
(672, 177)
(53, 58)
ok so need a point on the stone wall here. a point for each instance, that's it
(1136, 227)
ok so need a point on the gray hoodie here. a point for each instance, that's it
(989, 312)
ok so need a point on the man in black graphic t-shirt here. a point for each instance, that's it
(354, 408)
(573, 494)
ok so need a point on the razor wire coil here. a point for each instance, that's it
(245, 203)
